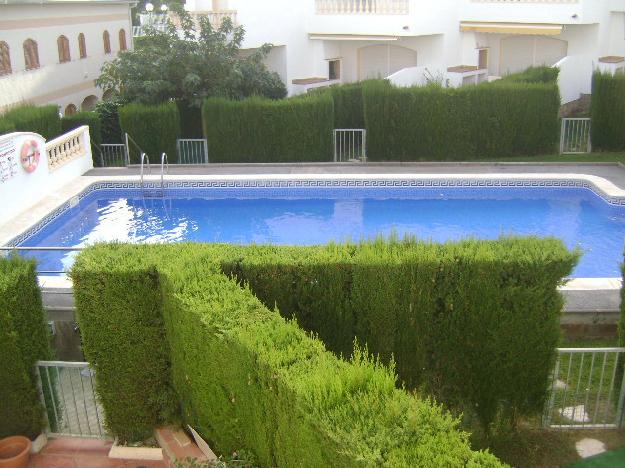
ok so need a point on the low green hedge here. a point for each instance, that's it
(608, 111)
(44, 120)
(245, 376)
(154, 128)
(473, 122)
(261, 130)
(24, 340)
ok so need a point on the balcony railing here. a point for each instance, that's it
(362, 7)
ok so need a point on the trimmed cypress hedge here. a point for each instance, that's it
(262, 130)
(608, 111)
(91, 119)
(23, 341)
(248, 378)
(6, 126)
(154, 128)
(44, 120)
(109, 120)
(474, 323)
(348, 106)
(190, 120)
(121, 324)
(468, 123)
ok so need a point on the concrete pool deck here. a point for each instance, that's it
(589, 302)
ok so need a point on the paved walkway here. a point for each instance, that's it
(613, 172)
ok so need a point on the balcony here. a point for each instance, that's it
(362, 7)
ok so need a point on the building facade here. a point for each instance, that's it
(51, 51)
(456, 42)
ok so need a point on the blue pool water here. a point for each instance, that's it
(306, 216)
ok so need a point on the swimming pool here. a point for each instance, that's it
(317, 212)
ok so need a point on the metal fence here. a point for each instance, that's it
(68, 394)
(587, 389)
(575, 136)
(113, 155)
(350, 144)
(192, 151)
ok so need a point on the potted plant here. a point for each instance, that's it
(14, 452)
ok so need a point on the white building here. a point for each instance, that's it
(51, 51)
(320, 42)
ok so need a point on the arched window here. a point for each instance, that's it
(122, 40)
(106, 38)
(82, 46)
(5, 59)
(63, 45)
(31, 54)
(70, 110)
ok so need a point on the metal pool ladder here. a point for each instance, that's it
(144, 158)
(164, 165)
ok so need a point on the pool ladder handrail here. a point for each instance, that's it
(164, 164)
(144, 157)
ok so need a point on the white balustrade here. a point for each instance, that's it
(67, 147)
(362, 7)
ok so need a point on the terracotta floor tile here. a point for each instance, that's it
(52, 461)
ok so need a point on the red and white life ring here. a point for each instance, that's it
(30, 155)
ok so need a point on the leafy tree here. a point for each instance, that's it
(190, 63)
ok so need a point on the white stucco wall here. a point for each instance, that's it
(54, 82)
(22, 189)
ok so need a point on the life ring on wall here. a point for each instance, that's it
(30, 155)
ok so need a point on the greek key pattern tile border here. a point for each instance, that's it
(151, 188)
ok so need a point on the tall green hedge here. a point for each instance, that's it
(262, 130)
(121, 324)
(23, 341)
(248, 378)
(348, 106)
(474, 323)
(608, 111)
(6, 126)
(44, 120)
(91, 119)
(154, 128)
(190, 120)
(109, 120)
(473, 122)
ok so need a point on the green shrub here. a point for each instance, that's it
(24, 340)
(109, 120)
(44, 120)
(348, 106)
(91, 119)
(532, 75)
(474, 323)
(472, 122)
(154, 128)
(6, 126)
(248, 378)
(608, 111)
(120, 318)
(190, 120)
(261, 130)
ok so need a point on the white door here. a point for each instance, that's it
(520, 52)
(380, 61)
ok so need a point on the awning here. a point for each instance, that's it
(512, 28)
(351, 37)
